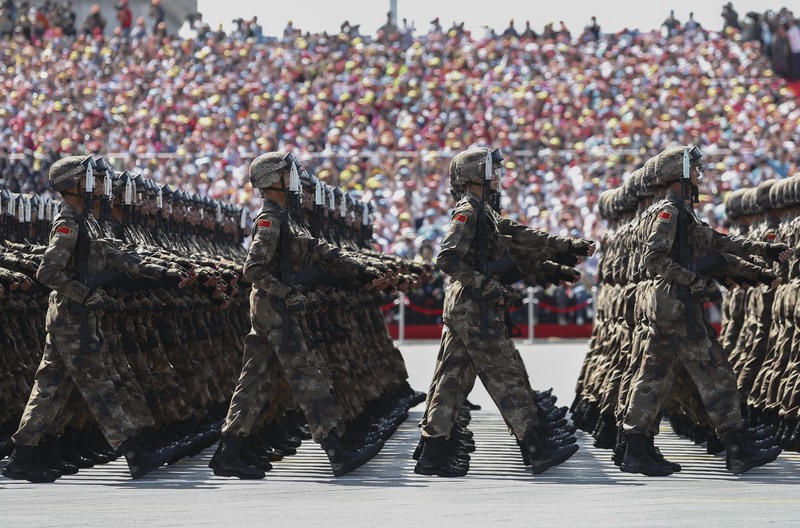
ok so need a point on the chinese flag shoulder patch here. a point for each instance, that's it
(664, 216)
(460, 218)
(63, 231)
(771, 237)
(265, 223)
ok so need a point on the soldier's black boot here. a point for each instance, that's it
(436, 460)
(637, 458)
(605, 432)
(472, 406)
(620, 445)
(50, 455)
(714, 445)
(228, 461)
(24, 464)
(542, 454)
(418, 449)
(743, 457)
(343, 458)
(656, 455)
(143, 459)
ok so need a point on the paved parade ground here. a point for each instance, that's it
(586, 491)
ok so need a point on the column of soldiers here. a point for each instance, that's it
(759, 324)
(484, 253)
(124, 320)
(652, 351)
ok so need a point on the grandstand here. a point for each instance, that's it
(382, 116)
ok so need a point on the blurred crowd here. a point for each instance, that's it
(382, 115)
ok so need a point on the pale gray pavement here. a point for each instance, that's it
(586, 491)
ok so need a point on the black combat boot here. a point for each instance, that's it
(24, 464)
(605, 432)
(418, 449)
(343, 458)
(143, 459)
(543, 454)
(714, 445)
(656, 455)
(638, 459)
(436, 459)
(620, 446)
(472, 406)
(50, 455)
(742, 457)
(228, 461)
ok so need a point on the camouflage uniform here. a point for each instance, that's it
(64, 365)
(667, 344)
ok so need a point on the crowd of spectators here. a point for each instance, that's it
(383, 115)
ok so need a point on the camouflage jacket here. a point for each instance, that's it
(58, 270)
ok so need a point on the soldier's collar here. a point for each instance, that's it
(471, 196)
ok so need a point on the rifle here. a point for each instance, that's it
(83, 256)
(289, 341)
(319, 210)
(695, 329)
(482, 252)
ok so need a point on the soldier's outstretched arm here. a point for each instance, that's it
(744, 247)
(657, 255)
(63, 239)
(456, 244)
(132, 263)
(529, 237)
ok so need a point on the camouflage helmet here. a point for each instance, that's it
(793, 191)
(268, 169)
(763, 193)
(470, 166)
(733, 203)
(674, 162)
(750, 202)
(649, 171)
(67, 172)
(777, 194)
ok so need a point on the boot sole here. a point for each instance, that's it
(628, 469)
(349, 466)
(223, 473)
(436, 472)
(738, 469)
(541, 468)
(22, 476)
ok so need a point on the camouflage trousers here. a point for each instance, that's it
(665, 349)
(462, 358)
(304, 371)
(65, 367)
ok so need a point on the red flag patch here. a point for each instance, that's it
(265, 223)
(460, 218)
(63, 231)
(664, 216)
(771, 237)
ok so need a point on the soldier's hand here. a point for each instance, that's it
(295, 302)
(25, 283)
(582, 247)
(95, 300)
(312, 302)
(714, 293)
(699, 290)
(179, 275)
(493, 291)
(779, 252)
(369, 274)
(565, 274)
(769, 278)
